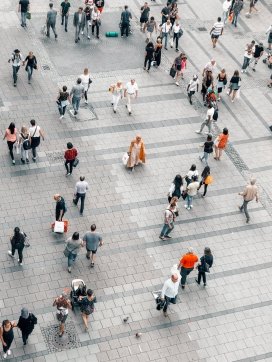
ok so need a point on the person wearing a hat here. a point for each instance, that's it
(60, 207)
(192, 87)
(187, 264)
(259, 50)
(170, 291)
(26, 323)
(70, 156)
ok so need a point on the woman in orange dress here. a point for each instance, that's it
(221, 143)
(136, 152)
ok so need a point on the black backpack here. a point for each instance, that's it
(26, 143)
(215, 115)
(177, 192)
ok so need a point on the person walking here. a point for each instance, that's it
(252, 4)
(80, 193)
(249, 194)
(149, 55)
(17, 242)
(237, 7)
(96, 21)
(125, 21)
(31, 63)
(192, 87)
(87, 307)
(221, 143)
(179, 65)
(51, 21)
(165, 31)
(258, 52)
(176, 188)
(23, 8)
(173, 16)
(169, 292)
(216, 31)
(169, 219)
(207, 82)
(186, 265)
(24, 144)
(235, 84)
(86, 82)
(63, 305)
(145, 10)
(149, 27)
(11, 137)
(136, 153)
(249, 51)
(226, 8)
(26, 324)
(131, 92)
(177, 33)
(208, 120)
(77, 92)
(191, 192)
(65, 7)
(192, 172)
(7, 336)
(221, 83)
(206, 262)
(70, 156)
(208, 149)
(60, 207)
(157, 53)
(35, 133)
(209, 67)
(165, 13)
(16, 59)
(88, 11)
(79, 22)
(63, 101)
(73, 245)
(269, 39)
(206, 179)
(117, 94)
(92, 240)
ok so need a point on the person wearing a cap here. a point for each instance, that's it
(249, 194)
(60, 207)
(259, 50)
(26, 323)
(192, 87)
(186, 265)
(170, 291)
(16, 59)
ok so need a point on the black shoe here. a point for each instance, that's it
(76, 41)
(204, 284)
(15, 84)
(168, 237)
(66, 30)
(129, 113)
(197, 282)
(23, 161)
(88, 257)
(97, 36)
(74, 202)
(34, 159)
(247, 220)
(114, 111)
(61, 23)
(254, 70)
(190, 101)
(56, 35)
(183, 286)
(78, 38)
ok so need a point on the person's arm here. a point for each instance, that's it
(211, 30)
(42, 133)
(188, 87)
(55, 302)
(101, 242)
(5, 135)
(180, 262)
(61, 214)
(222, 30)
(197, 86)
(164, 290)
(269, 29)
(257, 196)
(243, 193)
(136, 93)
(19, 7)
(1, 337)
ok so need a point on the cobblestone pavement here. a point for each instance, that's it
(230, 320)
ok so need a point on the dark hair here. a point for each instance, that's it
(207, 251)
(93, 227)
(209, 137)
(152, 18)
(206, 172)
(78, 80)
(16, 230)
(150, 44)
(236, 73)
(210, 106)
(82, 178)
(80, 8)
(178, 181)
(11, 127)
(50, 5)
(219, 19)
(173, 204)
(193, 167)
(89, 292)
(18, 237)
(5, 322)
(126, 7)
(64, 88)
(194, 178)
(225, 131)
(75, 236)
(69, 145)
(33, 122)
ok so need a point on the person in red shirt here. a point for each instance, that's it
(187, 264)
(70, 156)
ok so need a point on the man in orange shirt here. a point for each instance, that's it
(186, 264)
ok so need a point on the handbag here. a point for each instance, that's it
(125, 159)
(184, 195)
(76, 162)
(176, 213)
(206, 266)
(172, 72)
(59, 227)
(28, 15)
(208, 180)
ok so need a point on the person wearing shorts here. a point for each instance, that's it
(63, 305)
(93, 240)
(216, 31)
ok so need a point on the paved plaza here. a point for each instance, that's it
(230, 319)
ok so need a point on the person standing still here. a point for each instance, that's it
(77, 92)
(65, 7)
(70, 156)
(31, 63)
(187, 264)
(125, 20)
(11, 137)
(17, 242)
(16, 59)
(24, 143)
(63, 305)
(131, 92)
(24, 7)
(79, 23)
(51, 21)
(96, 21)
(60, 207)
(93, 240)
(26, 324)
(250, 193)
(36, 133)
(80, 193)
(216, 31)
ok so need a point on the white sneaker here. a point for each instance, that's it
(10, 254)
(86, 102)
(177, 83)
(198, 132)
(5, 355)
(72, 113)
(9, 352)
(61, 117)
(89, 37)
(82, 33)
(21, 265)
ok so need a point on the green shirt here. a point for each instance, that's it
(65, 7)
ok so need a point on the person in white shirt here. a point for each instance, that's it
(176, 34)
(216, 31)
(208, 120)
(249, 51)
(35, 133)
(226, 7)
(131, 92)
(117, 94)
(96, 21)
(165, 29)
(80, 193)
(170, 291)
(210, 66)
(192, 87)
(17, 59)
(86, 81)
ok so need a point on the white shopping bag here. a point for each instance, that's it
(17, 147)
(125, 159)
(59, 227)
(171, 42)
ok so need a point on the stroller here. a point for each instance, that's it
(268, 59)
(79, 289)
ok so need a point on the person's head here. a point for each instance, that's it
(93, 227)
(178, 181)
(64, 88)
(119, 83)
(209, 73)
(209, 106)
(236, 73)
(174, 200)
(24, 313)
(261, 44)
(209, 137)
(206, 170)
(193, 167)
(82, 178)
(138, 138)
(207, 251)
(174, 278)
(30, 54)
(17, 51)
(86, 71)
(253, 181)
(195, 77)
(132, 81)
(194, 178)
(16, 230)
(23, 130)
(69, 145)
(225, 131)
(145, 4)
(33, 122)
(159, 40)
(75, 236)
(152, 18)
(168, 22)
(174, 6)
(6, 323)
(190, 250)
(150, 44)
(89, 292)
(218, 19)
(80, 9)
(173, 204)
(253, 42)
(223, 71)
(51, 5)
(126, 7)
(212, 61)
(78, 80)
(57, 197)
(11, 127)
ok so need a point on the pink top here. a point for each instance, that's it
(11, 137)
(183, 63)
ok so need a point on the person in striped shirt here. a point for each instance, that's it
(216, 31)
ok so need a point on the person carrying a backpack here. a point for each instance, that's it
(206, 262)
(26, 323)
(24, 143)
(16, 60)
(125, 19)
(176, 188)
(63, 305)
(17, 243)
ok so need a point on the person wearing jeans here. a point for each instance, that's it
(208, 149)
(31, 63)
(208, 120)
(169, 218)
(65, 6)
(249, 51)
(250, 193)
(24, 138)
(80, 193)
(95, 21)
(205, 260)
(23, 8)
(77, 92)
(16, 60)
(170, 291)
(186, 265)
(191, 192)
(70, 156)
(73, 245)
(237, 7)
(165, 29)
(17, 243)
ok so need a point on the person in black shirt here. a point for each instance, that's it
(26, 323)
(17, 243)
(205, 173)
(259, 49)
(23, 8)
(31, 63)
(206, 262)
(125, 20)
(65, 6)
(165, 14)
(60, 207)
(149, 55)
(144, 15)
(208, 149)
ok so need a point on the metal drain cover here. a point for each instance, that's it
(85, 113)
(45, 67)
(54, 343)
(202, 28)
